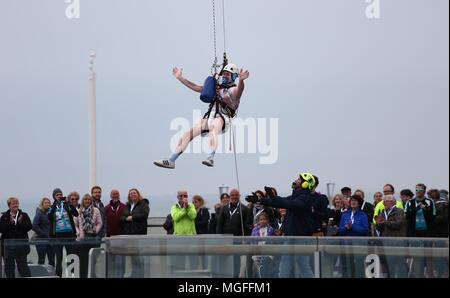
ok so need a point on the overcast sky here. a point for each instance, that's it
(360, 102)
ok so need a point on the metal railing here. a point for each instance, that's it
(221, 255)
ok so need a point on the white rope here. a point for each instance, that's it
(224, 27)
(214, 66)
(232, 131)
(235, 158)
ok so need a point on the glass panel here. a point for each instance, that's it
(215, 256)
(368, 257)
(66, 258)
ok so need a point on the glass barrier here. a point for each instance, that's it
(53, 258)
(216, 256)
(208, 256)
(367, 257)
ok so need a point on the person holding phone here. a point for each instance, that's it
(420, 213)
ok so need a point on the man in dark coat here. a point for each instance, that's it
(299, 221)
(321, 212)
(229, 218)
(234, 219)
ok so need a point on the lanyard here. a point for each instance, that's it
(386, 215)
(15, 218)
(419, 203)
(60, 209)
(115, 210)
(258, 213)
(232, 213)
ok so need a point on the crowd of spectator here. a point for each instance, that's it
(348, 214)
(68, 223)
(61, 222)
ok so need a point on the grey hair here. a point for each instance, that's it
(388, 197)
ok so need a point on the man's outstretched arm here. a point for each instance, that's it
(178, 73)
(240, 87)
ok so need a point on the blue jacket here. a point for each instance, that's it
(299, 220)
(41, 224)
(360, 226)
(255, 231)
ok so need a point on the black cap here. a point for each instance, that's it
(345, 189)
(56, 191)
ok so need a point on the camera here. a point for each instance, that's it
(253, 198)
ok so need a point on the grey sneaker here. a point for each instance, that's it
(209, 162)
(165, 163)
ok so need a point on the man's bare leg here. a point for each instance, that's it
(184, 141)
(214, 131)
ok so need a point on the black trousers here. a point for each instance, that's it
(63, 240)
(11, 258)
(45, 250)
(83, 252)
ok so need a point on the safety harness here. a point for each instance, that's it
(221, 108)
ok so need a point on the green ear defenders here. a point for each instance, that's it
(308, 181)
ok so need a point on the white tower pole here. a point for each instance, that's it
(92, 124)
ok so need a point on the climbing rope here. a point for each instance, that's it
(224, 34)
(215, 65)
(233, 133)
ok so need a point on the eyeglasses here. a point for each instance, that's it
(74, 199)
(182, 196)
(420, 190)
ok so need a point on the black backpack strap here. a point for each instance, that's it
(222, 86)
(208, 113)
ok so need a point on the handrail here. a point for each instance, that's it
(176, 245)
(167, 250)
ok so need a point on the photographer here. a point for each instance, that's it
(256, 208)
(299, 221)
(62, 227)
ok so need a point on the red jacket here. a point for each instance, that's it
(112, 218)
